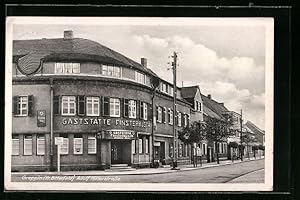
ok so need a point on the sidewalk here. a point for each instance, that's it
(139, 171)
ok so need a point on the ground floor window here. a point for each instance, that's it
(186, 150)
(140, 144)
(40, 145)
(171, 148)
(64, 149)
(133, 146)
(78, 145)
(15, 145)
(180, 150)
(147, 144)
(28, 145)
(92, 144)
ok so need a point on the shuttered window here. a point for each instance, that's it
(68, 105)
(92, 106)
(15, 145)
(23, 105)
(132, 109)
(115, 107)
(159, 114)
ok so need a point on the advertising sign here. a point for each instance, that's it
(117, 134)
(41, 118)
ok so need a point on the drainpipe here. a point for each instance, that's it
(153, 110)
(51, 125)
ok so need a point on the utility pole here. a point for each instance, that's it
(174, 65)
(241, 136)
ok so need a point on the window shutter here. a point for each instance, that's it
(15, 109)
(56, 106)
(125, 107)
(105, 106)
(80, 105)
(157, 113)
(150, 111)
(141, 110)
(30, 105)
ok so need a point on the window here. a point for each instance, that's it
(92, 144)
(180, 150)
(143, 111)
(68, 105)
(40, 145)
(159, 114)
(171, 153)
(140, 145)
(133, 146)
(64, 148)
(111, 71)
(164, 115)
(15, 145)
(92, 106)
(179, 119)
(114, 104)
(78, 145)
(147, 145)
(22, 105)
(185, 120)
(170, 116)
(140, 77)
(67, 68)
(185, 150)
(132, 109)
(27, 144)
(199, 106)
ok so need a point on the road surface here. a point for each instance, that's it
(251, 172)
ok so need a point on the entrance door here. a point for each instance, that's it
(162, 151)
(116, 149)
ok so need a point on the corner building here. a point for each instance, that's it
(108, 109)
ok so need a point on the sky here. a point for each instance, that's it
(226, 61)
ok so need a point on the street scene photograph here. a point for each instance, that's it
(179, 104)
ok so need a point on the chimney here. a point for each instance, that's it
(144, 62)
(68, 34)
(209, 96)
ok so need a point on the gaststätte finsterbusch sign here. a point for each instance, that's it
(117, 134)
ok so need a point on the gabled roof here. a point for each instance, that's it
(65, 48)
(189, 92)
(214, 106)
(254, 128)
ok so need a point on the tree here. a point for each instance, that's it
(193, 133)
(218, 131)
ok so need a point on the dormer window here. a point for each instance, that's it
(198, 106)
(67, 68)
(140, 77)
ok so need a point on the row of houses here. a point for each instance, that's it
(107, 109)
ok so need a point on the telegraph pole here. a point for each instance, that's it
(174, 65)
(241, 136)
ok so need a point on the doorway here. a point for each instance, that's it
(159, 151)
(120, 152)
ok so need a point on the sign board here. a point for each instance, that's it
(41, 118)
(59, 140)
(157, 144)
(117, 134)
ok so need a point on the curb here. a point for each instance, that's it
(149, 173)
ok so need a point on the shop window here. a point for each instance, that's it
(147, 145)
(23, 105)
(40, 145)
(68, 105)
(92, 106)
(132, 109)
(27, 144)
(67, 68)
(159, 114)
(64, 148)
(133, 146)
(111, 71)
(180, 150)
(143, 111)
(15, 145)
(141, 145)
(78, 145)
(92, 144)
(171, 150)
(114, 105)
